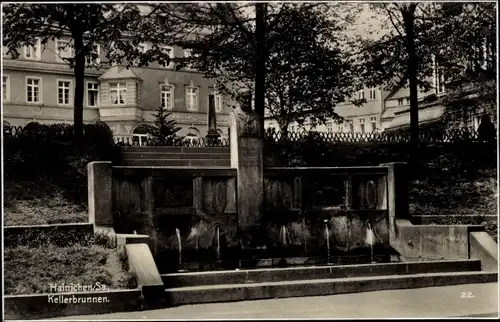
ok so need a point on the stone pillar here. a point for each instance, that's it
(100, 203)
(198, 194)
(246, 156)
(212, 135)
(148, 200)
(397, 194)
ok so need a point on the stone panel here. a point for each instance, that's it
(173, 192)
(214, 195)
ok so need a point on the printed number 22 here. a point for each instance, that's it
(466, 295)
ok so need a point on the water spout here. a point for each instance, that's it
(327, 238)
(283, 236)
(305, 235)
(217, 240)
(370, 238)
(179, 244)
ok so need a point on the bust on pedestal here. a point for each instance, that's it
(246, 156)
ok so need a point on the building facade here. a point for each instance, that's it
(384, 110)
(38, 86)
(357, 118)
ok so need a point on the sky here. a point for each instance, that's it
(364, 26)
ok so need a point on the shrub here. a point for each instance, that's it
(48, 151)
(164, 129)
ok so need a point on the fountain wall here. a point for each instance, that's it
(308, 201)
(157, 201)
(299, 205)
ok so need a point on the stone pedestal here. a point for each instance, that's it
(100, 193)
(397, 194)
(246, 157)
(212, 134)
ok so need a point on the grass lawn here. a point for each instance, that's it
(453, 195)
(39, 203)
(31, 270)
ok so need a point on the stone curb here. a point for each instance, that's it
(312, 273)
(272, 290)
(40, 306)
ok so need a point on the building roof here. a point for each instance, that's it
(119, 72)
(430, 109)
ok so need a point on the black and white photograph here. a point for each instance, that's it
(249, 160)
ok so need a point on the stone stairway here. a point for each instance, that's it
(269, 283)
(175, 156)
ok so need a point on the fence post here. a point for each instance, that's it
(397, 194)
(100, 193)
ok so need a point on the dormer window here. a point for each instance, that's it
(168, 51)
(33, 52)
(63, 49)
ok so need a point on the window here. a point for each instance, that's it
(142, 48)
(329, 127)
(33, 52)
(138, 94)
(488, 56)
(194, 132)
(117, 92)
(373, 92)
(63, 92)
(440, 82)
(401, 101)
(192, 98)
(438, 77)
(187, 54)
(361, 94)
(218, 102)
(140, 135)
(373, 121)
(362, 125)
(92, 94)
(6, 88)
(33, 92)
(97, 53)
(63, 49)
(169, 51)
(349, 125)
(167, 96)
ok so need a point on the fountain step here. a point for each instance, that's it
(263, 275)
(315, 287)
(290, 261)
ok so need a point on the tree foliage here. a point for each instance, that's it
(118, 29)
(164, 128)
(469, 59)
(306, 72)
(447, 40)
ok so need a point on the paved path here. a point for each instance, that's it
(432, 302)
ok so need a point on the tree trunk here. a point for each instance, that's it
(409, 22)
(79, 69)
(260, 61)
